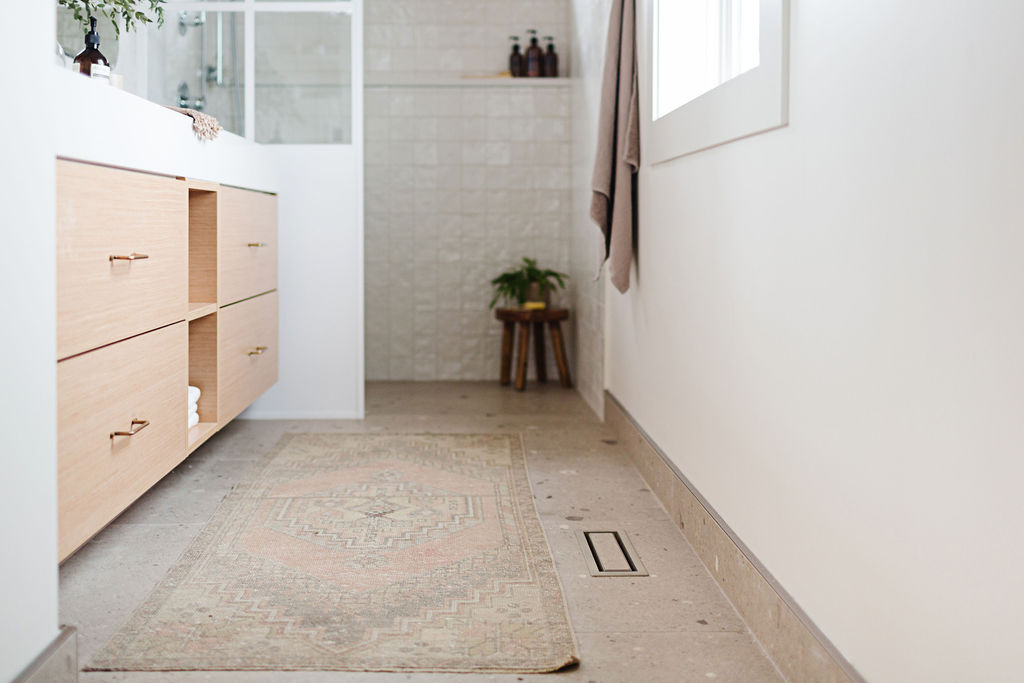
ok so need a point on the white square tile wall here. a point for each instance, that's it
(461, 182)
(589, 24)
(455, 38)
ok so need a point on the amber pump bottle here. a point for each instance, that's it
(515, 60)
(534, 57)
(550, 59)
(91, 61)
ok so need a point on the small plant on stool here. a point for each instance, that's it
(527, 282)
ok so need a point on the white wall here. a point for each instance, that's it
(28, 347)
(320, 285)
(590, 27)
(826, 330)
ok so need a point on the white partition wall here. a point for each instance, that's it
(28, 412)
(298, 83)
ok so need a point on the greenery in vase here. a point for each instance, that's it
(514, 284)
(126, 15)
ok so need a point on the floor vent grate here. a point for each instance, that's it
(609, 553)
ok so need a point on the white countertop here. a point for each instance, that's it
(106, 125)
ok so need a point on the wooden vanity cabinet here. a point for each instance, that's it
(154, 294)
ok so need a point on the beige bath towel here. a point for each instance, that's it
(613, 205)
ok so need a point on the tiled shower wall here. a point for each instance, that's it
(461, 182)
(455, 38)
(589, 22)
(463, 179)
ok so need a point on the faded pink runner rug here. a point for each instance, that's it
(363, 553)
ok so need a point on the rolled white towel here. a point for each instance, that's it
(193, 420)
(193, 394)
(193, 409)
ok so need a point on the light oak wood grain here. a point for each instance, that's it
(245, 373)
(202, 245)
(202, 364)
(142, 378)
(202, 185)
(199, 434)
(198, 309)
(246, 218)
(103, 212)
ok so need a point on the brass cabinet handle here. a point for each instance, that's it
(257, 244)
(258, 351)
(130, 257)
(137, 426)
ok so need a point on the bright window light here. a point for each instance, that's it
(700, 44)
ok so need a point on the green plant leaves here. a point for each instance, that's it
(513, 284)
(126, 15)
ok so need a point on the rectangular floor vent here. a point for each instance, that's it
(609, 553)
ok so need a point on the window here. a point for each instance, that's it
(718, 72)
(700, 44)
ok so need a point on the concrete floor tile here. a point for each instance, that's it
(675, 625)
(102, 583)
(572, 493)
(679, 594)
(674, 658)
(190, 493)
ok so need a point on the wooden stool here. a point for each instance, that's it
(536, 320)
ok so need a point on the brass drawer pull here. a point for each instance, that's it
(137, 426)
(257, 244)
(258, 351)
(130, 257)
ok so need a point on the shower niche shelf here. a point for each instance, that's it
(469, 82)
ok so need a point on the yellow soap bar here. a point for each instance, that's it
(534, 306)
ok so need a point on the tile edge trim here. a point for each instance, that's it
(769, 579)
(49, 665)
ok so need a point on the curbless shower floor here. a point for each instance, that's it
(674, 625)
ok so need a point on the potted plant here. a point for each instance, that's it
(527, 283)
(125, 15)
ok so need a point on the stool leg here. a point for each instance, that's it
(538, 350)
(506, 352)
(560, 358)
(524, 355)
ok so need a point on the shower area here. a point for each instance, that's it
(272, 72)
(202, 49)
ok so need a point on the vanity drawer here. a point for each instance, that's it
(103, 391)
(246, 244)
(104, 216)
(248, 353)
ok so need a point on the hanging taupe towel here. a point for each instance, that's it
(613, 205)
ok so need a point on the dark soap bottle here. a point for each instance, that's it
(515, 60)
(550, 59)
(91, 55)
(534, 57)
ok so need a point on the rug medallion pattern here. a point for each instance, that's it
(362, 553)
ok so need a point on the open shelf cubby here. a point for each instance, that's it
(202, 252)
(202, 373)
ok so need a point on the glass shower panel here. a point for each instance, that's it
(303, 78)
(196, 60)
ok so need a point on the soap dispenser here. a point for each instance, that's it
(515, 60)
(91, 61)
(534, 57)
(550, 59)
